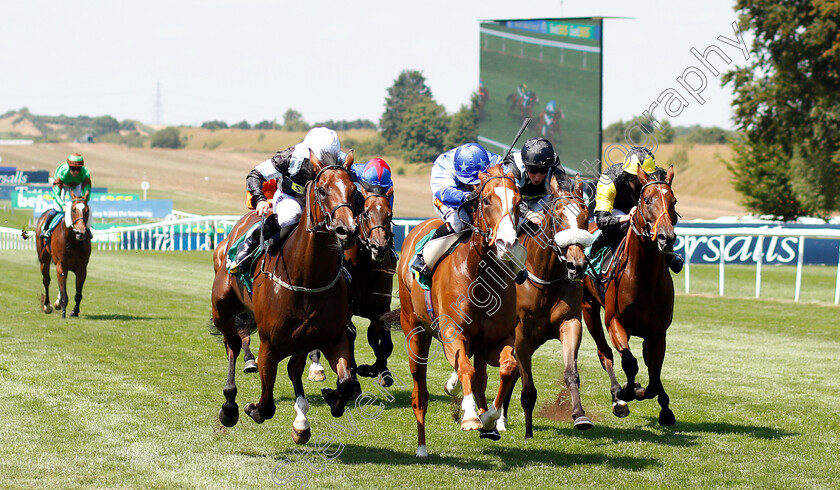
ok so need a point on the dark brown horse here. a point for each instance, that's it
(299, 300)
(549, 303)
(372, 270)
(69, 248)
(473, 300)
(639, 300)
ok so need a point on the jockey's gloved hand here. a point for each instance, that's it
(509, 160)
(472, 196)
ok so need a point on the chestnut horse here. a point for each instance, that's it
(372, 270)
(548, 304)
(474, 303)
(550, 130)
(69, 248)
(639, 300)
(299, 300)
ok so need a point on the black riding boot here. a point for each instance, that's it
(419, 263)
(275, 241)
(244, 255)
(50, 215)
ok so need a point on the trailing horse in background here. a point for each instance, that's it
(548, 304)
(639, 299)
(471, 307)
(299, 300)
(522, 106)
(69, 247)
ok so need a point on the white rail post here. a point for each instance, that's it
(688, 253)
(799, 262)
(837, 283)
(759, 259)
(722, 261)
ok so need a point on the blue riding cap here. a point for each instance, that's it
(375, 172)
(470, 159)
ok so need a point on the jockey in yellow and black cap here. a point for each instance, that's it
(617, 195)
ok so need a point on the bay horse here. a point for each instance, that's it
(521, 107)
(299, 300)
(371, 270)
(548, 304)
(550, 130)
(639, 300)
(69, 249)
(473, 305)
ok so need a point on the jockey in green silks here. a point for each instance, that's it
(70, 177)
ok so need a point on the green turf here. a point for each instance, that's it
(127, 396)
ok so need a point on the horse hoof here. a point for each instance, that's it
(228, 421)
(666, 417)
(47, 309)
(250, 366)
(385, 379)
(74, 313)
(301, 436)
(57, 304)
(620, 409)
(640, 392)
(317, 376)
(491, 434)
(422, 452)
(365, 371)
(471, 424)
(583, 423)
(501, 424)
(252, 412)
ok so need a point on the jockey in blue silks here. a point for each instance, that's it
(454, 180)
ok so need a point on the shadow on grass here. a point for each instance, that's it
(507, 458)
(683, 434)
(123, 318)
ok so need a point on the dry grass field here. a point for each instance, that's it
(208, 176)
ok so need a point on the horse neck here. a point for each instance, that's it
(481, 262)
(644, 260)
(542, 259)
(311, 250)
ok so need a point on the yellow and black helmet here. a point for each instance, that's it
(639, 155)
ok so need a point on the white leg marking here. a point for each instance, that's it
(301, 407)
(468, 405)
(421, 451)
(501, 424)
(452, 387)
(489, 418)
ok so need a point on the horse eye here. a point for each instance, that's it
(486, 201)
(322, 192)
(647, 200)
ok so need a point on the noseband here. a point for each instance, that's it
(489, 236)
(364, 218)
(652, 233)
(326, 224)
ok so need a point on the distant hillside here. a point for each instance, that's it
(208, 181)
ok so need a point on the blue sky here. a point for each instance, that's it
(329, 59)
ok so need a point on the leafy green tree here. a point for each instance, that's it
(293, 121)
(463, 127)
(408, 89)
(215, 124)
(242, 125)
(422, 132)
(786, 162)
(104, 125)
(639, 131)
(168, 137)
(266, 125)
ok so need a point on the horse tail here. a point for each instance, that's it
(392, 319)
(243, 321)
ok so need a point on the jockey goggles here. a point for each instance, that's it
(536, 169)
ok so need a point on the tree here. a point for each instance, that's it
(168, 137)
(215, 124)
(423, 129)
(408, 89)
(104, 125)
(787, 108)
(293, 121)
(639, 131)
(463, 127)
(242, 125)
(266, 125)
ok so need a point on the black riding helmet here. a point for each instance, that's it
(538, 152)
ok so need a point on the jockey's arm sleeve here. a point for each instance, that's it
(606, 221)
(86, 185)
(57, 188)
(451, 196)
(604, 200)
(253, 183)
(445, 187)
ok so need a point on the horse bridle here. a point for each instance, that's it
(489, 236)
(652, 233)
(364, 217)
(325, 225)
(82, 217)
(555, 227)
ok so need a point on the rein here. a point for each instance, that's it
(555, 226)
(652, 233)
(364, 238)
(489, 236)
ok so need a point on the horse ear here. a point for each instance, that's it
(643, 176)
(73, 195)
(669, 177)
(577, 189)
(316, 164)
(348, 160)
(554, 185)
(390, 193)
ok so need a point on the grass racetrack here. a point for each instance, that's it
(127, 396)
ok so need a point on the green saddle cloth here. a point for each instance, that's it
(53, 223)
(424, 282)
(245, 277)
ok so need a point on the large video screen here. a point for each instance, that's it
(548, 70)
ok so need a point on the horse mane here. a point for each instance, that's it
(329, 160)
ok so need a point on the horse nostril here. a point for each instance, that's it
(341, 231)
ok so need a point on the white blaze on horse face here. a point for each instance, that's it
(571, 212)
(505, 230)
(301, 408)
